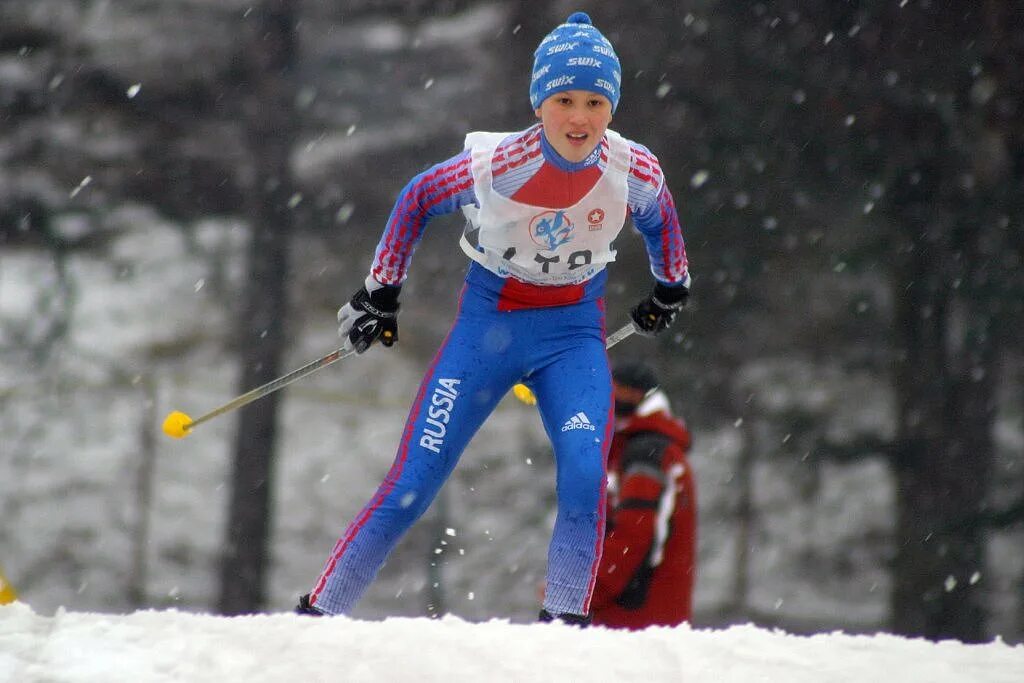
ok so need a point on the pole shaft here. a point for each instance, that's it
(273, 385)
(619, 334)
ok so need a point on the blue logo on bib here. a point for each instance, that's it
(551, 229)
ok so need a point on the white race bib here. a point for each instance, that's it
(542, 245)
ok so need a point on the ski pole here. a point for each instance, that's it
(523, 392)
(178, 425)
(619, 334)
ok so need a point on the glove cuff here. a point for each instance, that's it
(381, 303)
(386, 297)
(380, 294)
(670, 297)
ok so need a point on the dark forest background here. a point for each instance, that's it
(849, 174)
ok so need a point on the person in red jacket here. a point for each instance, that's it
(648, 568)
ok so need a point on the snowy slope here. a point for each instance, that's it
(166, 646)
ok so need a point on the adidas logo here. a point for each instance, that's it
(578, 421)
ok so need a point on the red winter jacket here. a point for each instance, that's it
(648, 568)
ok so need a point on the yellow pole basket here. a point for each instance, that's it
(7, 594)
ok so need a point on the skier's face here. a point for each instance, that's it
(575, 121)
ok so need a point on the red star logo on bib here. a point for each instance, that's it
(595, 218)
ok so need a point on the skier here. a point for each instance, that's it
(648, 566)
(542, 206)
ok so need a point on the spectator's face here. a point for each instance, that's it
(627, 399)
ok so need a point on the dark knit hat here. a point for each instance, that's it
(636, 375)
(634, 381)
(575, 56)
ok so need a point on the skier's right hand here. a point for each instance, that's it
(370, 316)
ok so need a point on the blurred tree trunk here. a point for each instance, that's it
(270, 56)
(142, 523)
(953, 190)
(945, 382)
(943, 456)
(745, 516)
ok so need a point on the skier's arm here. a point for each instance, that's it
(654, 214)
(440, 190)
(372, 312)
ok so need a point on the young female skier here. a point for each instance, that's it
(543, 207)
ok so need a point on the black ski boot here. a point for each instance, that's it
(581, 620)
(305, 608)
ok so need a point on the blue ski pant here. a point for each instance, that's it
(559, 353)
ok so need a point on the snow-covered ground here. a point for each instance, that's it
(176, 647)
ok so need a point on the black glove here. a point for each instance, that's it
(369, 317)
(656, 312)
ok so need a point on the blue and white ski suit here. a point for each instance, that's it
(531, 311)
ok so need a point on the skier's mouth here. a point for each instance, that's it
(577, 138)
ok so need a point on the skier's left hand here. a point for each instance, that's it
(658, 309)
(370, 316)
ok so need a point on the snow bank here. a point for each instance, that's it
(165, 646)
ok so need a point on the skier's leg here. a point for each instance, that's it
(466, 380)
(574, 394)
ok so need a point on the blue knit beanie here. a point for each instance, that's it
(575, 56)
